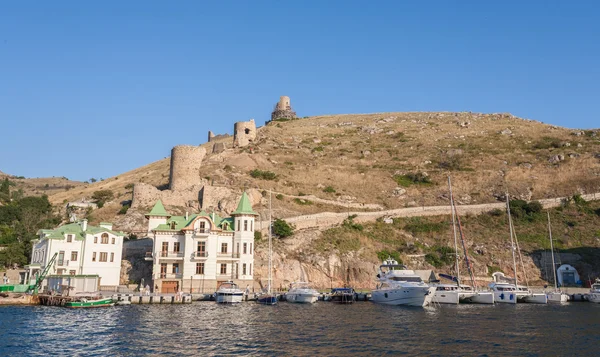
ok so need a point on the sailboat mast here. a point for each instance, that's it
(454, 229)
(552, 251)
(270, 248)
(512, 243)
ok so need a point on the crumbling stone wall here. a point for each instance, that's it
(186, 161)
(244, 132)
(283, 109)
(145, 195)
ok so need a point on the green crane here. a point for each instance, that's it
(38, 281)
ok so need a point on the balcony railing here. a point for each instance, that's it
(202, 231)
(165, 254)
(171, 275)
(228, 255)
(200, 254)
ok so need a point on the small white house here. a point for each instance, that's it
(81, 249)
(567, 276)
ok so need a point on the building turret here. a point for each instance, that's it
(243, 236)
(158, 215)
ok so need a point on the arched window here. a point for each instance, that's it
(104, 238)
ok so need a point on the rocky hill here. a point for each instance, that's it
(377, 162)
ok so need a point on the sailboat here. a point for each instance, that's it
(455, 293)
(268, 298)
(509, 292)
(556, 295)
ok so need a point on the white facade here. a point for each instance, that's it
(196, 253)
(81, 250)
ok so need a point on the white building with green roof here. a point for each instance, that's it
(198, 252)
(82, 250)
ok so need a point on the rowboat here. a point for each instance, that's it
(85, 303)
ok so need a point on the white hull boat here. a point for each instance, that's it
(302, 293)
(476, 297)
(557, 297)
(531, 298)
(399, 286)
(410, 296)
(507, 293)
(229, 293)
(446, 297)
(594, 294)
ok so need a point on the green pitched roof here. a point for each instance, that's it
(158, 210)
(75, 229)
(244, 207)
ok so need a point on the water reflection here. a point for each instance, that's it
(300, 330)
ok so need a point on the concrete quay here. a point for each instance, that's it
(153, 299)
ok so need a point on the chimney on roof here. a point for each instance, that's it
(186, 216)
(84, 225)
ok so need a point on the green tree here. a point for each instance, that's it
(13, 254)
(5, 191)
(282, 229)
(102, 196)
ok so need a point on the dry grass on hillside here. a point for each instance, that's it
(357, 156)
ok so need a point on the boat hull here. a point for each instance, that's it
(476, 297)
(557, 297)
(446, 297)
(533, 298)
(505, 297)
(90, 303)
(342, 298)
(409, 296)
(301, 298)
(594, 297)
(229, 298)
(267, 299)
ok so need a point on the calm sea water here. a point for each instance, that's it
(325, 329)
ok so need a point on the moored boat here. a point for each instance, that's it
(267, 297)
(556, 295)
(301, 292)
(343, 295)
(229, 293)
(594, 294)
(400, 286)
(85, 303)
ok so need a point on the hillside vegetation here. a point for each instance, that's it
(393, 160)
(345, 163)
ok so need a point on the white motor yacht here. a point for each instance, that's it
(399, 286)
(229, 293)
(301, 292)
(594, 294)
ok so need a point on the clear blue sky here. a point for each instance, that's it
(97, 88)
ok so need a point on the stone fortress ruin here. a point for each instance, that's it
(187, 186)
(283, 109)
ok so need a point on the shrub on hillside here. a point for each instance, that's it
(529, 211)
(410, 178)
(417, 225)
(103, 196)
(264, 175)
(282, 229)
(547, 142)
(385, 254)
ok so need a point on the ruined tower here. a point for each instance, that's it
(186, 161)
(244, 132)
(283, 109)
